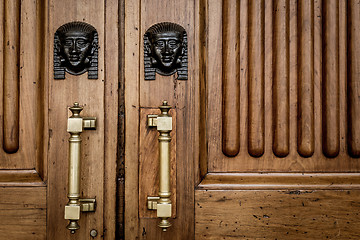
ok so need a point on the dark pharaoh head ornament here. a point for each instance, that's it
(76, 50)
(165, 51)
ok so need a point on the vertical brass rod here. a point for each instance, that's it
(164, 148)
(164, 161)
(74, 165)
(162, 203)
(164, 185)
(74, 175)
(75, 127)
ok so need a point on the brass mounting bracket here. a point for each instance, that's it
(152, 202)
(152, 120)
(163, 210)
(163, 123)
(88, 204)
(89, 123)
(72, 212)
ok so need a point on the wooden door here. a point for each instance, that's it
(267, 124)
(34, 112)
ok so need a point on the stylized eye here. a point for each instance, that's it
(68, 43)
(160, 44)
(173, 44)
(81, 43)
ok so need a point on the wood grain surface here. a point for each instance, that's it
(24, 209)
(23, 114)
(298, 107)
(256, 67)
(296, 174)
(281, 76)
(11, 76)
(231, 78)
(150, 94)
(331, 77)
(99, 99)
(353, 86)
(277, 214)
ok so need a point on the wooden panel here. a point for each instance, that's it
(231, 78)
(298, 111)
(11, 76)
(112, 102)
(256, 130)
(331, 124)
(24, 87)
(201, 87)
(305, 214)
(91, 95)
(305, 137)
(21, 178)
(23, 128)
(23, 213)
(149, 163)
(281, 79)
(149, 94)
(353, 82)
(276, 181)
(132, 72)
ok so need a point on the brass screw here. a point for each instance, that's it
(93, 233)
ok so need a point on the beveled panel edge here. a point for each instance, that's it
(280, 181)
(21, 178)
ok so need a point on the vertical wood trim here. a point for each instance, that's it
(244, 76)
(41, 93)
(343, 68)
(112, 46)
(11, 75)
(131, 72)
(203, 77)
(256, 132)
(63, 94)
(305, 138)
(353, 79)
(120, 166)
(330, 99)
(281, 79)
(2, 45)
(213, 84)
(293, 73)
(231, 78)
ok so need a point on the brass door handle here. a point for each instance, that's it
(76, 125)
(162, 203)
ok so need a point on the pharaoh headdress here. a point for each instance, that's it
(59, 61)
(164, 27)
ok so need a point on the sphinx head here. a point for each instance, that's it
(166, 47)
(76, 45)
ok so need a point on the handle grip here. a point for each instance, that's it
(162, 203)
(76, 125)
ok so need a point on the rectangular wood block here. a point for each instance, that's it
(23, 213)
(281, 214)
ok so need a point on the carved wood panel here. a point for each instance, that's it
(279, 85)
(22, 86)
(23, 124)
(33, 116)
